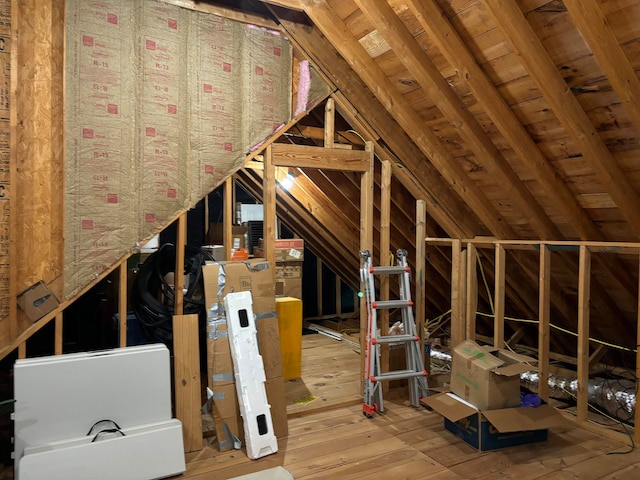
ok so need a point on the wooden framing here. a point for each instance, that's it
(544, 316)
(583, 332)
(299, 156)
(122, 304)
(421, 258)
(461, 329)
(227, 216)
(498, 302)
(568, 110)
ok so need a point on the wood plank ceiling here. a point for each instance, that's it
(512, 119)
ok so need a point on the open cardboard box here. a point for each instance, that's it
(486, 377)
(493, 429)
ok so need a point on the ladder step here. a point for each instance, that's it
(389, 270)
(398, 375)
(395, 339)
(392, 304)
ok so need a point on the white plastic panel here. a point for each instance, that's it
(249, 376)
(146, 452)
(60, 397)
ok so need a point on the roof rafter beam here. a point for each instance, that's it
(434, 22)
(353, 97)
(395, 33)
(453, 225)
(335, 30)
(457, 54)
(595, 29)
(534, 57)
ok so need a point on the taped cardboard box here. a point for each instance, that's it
(487, 378)
(219, 280)
(255, 276)
(226, 415)
(494, 429)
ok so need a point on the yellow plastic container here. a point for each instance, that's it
(289, 311)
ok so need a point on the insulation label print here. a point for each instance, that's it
(100, 92)
(263, 73)
(216, 106)
(161, 172)
(162, 113)
(99, 207)
(162, 103)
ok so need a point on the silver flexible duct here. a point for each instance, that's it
(616, 398)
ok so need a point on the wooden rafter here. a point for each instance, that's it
(393, 30)
(335, 30)
(595, 29)
(354, 98)
(454, 225)
(453, 48)
(541, 68)
(457, 54)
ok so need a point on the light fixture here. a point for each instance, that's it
(287, 182)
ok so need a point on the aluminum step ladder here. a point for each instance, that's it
(415, 372)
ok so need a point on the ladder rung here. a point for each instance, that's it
(392, 304)
(389, 270)
(398, 375)
(395, 339)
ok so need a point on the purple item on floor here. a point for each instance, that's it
(530, 400)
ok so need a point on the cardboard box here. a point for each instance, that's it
(493, 429)
(487, 378)
(220, 279)
(287, 250)
(218, 252)
(226, 415)
(277, 402)
(37, 301)
(215, 236)
(253, 275)
(290, 275)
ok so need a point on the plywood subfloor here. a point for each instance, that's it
(330, 376)
(332, 439)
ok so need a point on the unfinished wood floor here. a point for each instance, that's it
(334, 440)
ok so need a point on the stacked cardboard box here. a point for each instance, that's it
(483, 407)
(289, 258)
(219, 279)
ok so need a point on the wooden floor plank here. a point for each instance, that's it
(337, 441)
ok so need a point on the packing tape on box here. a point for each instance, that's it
(223, 377)
(260, 316)
(217, 395)
(237, 444)
(214, 332)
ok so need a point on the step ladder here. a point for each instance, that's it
(414, 372)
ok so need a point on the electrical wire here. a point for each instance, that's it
(155, 314)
